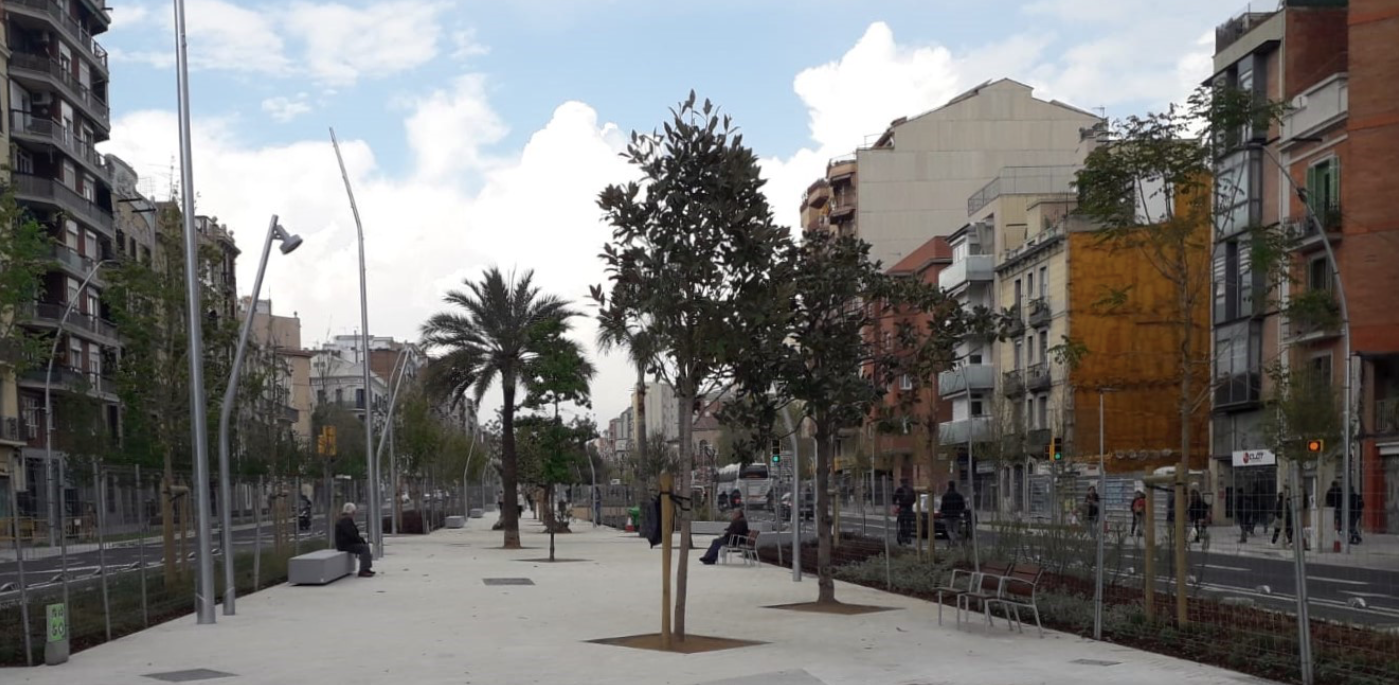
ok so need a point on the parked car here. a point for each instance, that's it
(808, 506)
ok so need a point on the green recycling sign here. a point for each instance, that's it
(58, 623)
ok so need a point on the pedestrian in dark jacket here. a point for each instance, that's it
(347, 539)
(734, 534)
(953, 508)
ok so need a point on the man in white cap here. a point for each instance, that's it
(347, 539)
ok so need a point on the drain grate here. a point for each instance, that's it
(508, 581)
(1095, 662)
(190, 675)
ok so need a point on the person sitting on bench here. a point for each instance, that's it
(734, 534)
(347, 539)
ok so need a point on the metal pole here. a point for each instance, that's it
(376, 524)
(230, 394)
(1345, 341)
(1097, 528)
(1304, 629)
(971, 476)
(19, 561)
(102, 546)
(58, 496)
(199, 432)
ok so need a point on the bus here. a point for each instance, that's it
(747, 485)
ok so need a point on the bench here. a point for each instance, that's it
(746, 547)
(983, 586)
(1017, 591)
(319, 567)
(456, 521)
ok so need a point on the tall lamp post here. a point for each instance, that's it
(1102, 516)
(199, 434)
(230, 393)
(375, 524)
(57, 499)
(1345, 337)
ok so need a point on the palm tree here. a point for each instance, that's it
(641, 345)
(494, 335)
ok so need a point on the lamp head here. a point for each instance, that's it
(289, 241)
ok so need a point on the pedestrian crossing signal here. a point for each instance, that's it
(1056, 449)
(1316, 446)
(776, 451)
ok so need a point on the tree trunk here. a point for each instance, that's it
(640, 412)
(825, 578)
(1183, 470)
(509, 469)
(553, 519)
(685, 399)
(167, 519)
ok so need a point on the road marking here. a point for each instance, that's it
(1337, 580)
(1226, 568)
(1376, 595)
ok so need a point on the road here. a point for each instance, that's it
(1336, 591)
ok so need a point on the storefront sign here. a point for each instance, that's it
(1255, 458)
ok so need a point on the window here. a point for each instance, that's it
(70, 175)
(1044, 411)
(1030, 284)
(75, 354)
(91, 247)
(31, 412)
(89, 188)
(1030, 412)
(94, 305)
(1321, 366)
(1017, 293)
(1030, 350)
(24, 162)
(71, 237)
(339, 395)
(1319, 274)
(94, 361)
(359, 398)
(1324, 188)
(1019, 354)
(1044, 346)
(906, 382)
(320, 396)
(974, 358)
(976, 407)
(72, 291)
(1044, 281)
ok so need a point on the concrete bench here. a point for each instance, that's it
(320, 567)
(456, 521)
(477, 513)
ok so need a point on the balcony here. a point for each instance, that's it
(843, 206)
(975, 429)
(13, 432)
(49, 314)
(1013, 322)
(1013, 383)
(1320, 107)
(45, 71)
(72, 380)
(77, 265)
(39, 190)
(1037, 377)
(1302, 234)
(1037, 439)
(1387, 416)
(51, 11)
(969, 376)
(977, 268)
(26, 126)
(1039, 313)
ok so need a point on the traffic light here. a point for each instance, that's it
(1316, 447)
(776, 452)
(1056, 449)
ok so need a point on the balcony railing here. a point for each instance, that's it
(977, 268)
(66, 23)
(1013, 383)
(77, 92)
(53, 313)
(975, 429)
(26, 124)
(1237, 389)
(1037, 439)
(1037, 377)
(50, 190)
(72, 379)
(1039, 313)
(78, 264)
(1014, 322)
(970, 376)
(12, 430)
(1387, 416)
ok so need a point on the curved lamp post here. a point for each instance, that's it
(56, 499)
(230, 393)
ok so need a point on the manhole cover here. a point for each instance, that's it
(189, 675)
(1095, 662)
(508, 581)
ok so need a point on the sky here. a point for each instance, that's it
(478, 133)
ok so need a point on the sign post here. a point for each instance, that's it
(56, 646)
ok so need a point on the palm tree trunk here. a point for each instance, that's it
(509, 469)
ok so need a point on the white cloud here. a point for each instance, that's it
(284, 109)
(434, 129)
(334, 43)
(423, 234)
(464, 45)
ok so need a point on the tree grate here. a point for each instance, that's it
(189, 675)
(508, 581)
(1095, 662)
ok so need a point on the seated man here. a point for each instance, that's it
(735, 533)
(347, 539)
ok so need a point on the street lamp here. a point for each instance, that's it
(230, 392)
(375, 525)
(57, 499)
(1345, 335)
(1102, 511)
(204, 586)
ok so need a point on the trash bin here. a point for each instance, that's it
(634, 518)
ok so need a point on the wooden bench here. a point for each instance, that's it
(1017, 591)
(320, 567)
(746, 547)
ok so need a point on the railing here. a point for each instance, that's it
(1242, 388)
(75, 31)
(1039, 312)
(1013, 383)
(25, 123)
(1015, 322)
(12, 430)
(975, 429)
(973, 376)
(972, 268)
(76, 91)
(66, 198)
(48, 311)
(1037, 377)
(70, 258)
(1387, 416)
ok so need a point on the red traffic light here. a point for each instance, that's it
(1316, 446)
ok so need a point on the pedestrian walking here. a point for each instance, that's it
(1138, 513)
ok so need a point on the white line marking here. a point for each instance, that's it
(1226, 568)
(1337, 580)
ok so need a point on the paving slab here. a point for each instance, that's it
(429, 617)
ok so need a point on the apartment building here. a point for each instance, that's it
(277, 350)
(13, 433)
(1333, 62)
(914, 181)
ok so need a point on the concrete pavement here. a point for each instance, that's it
(429, 618)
